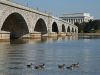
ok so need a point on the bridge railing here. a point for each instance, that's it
(23, 7)
(55, 17)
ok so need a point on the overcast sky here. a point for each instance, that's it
(59, 7)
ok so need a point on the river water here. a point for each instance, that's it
(16, 54)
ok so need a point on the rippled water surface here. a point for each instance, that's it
(16, 54)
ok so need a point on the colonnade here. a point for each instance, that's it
(73, 20)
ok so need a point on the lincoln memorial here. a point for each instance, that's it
(77, 17)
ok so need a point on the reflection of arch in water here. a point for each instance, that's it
(19, 41)
(41, 27)
(54, 27)
(16, 25)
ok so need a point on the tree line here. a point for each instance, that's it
(92, 26)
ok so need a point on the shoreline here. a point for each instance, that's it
(88, 34)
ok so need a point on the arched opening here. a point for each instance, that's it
(63, 28)
(72, 29)
(54, 27)
(16, 25)
(75, 30)
(41, 27)
(68, 29)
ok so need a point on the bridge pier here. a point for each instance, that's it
(52, 34)
(73, 34)
(62, 34)
(35, 35)
(68, 34)
(4, 36)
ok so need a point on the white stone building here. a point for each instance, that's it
(77, 17)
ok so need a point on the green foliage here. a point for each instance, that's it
(93, 26)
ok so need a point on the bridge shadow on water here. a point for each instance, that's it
(50, 39)
(42, 40)
(47, 39)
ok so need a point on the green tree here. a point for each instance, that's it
(79, 27)
(93, 26)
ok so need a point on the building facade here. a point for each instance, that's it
(77, 17)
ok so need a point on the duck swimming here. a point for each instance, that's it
(76, 65)
(70, 67)
(61, 66)
(42, 66)
(29, 66)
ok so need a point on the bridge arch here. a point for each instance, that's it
(63, 28)
(14, 23)
(40, 26)
(75, 30)
(55, 27)
(68, 29)
(72, 29)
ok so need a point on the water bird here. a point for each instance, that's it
(37, 67)
(61, 66)
(70, 67)
(29, 66)
(76, 65)
(42, 66)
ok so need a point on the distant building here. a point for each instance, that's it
(77, 17)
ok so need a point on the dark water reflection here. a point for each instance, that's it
(16, 54)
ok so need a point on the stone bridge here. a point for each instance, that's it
(19, 21)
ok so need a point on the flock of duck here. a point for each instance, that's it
(42, 66)
(69, 67)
